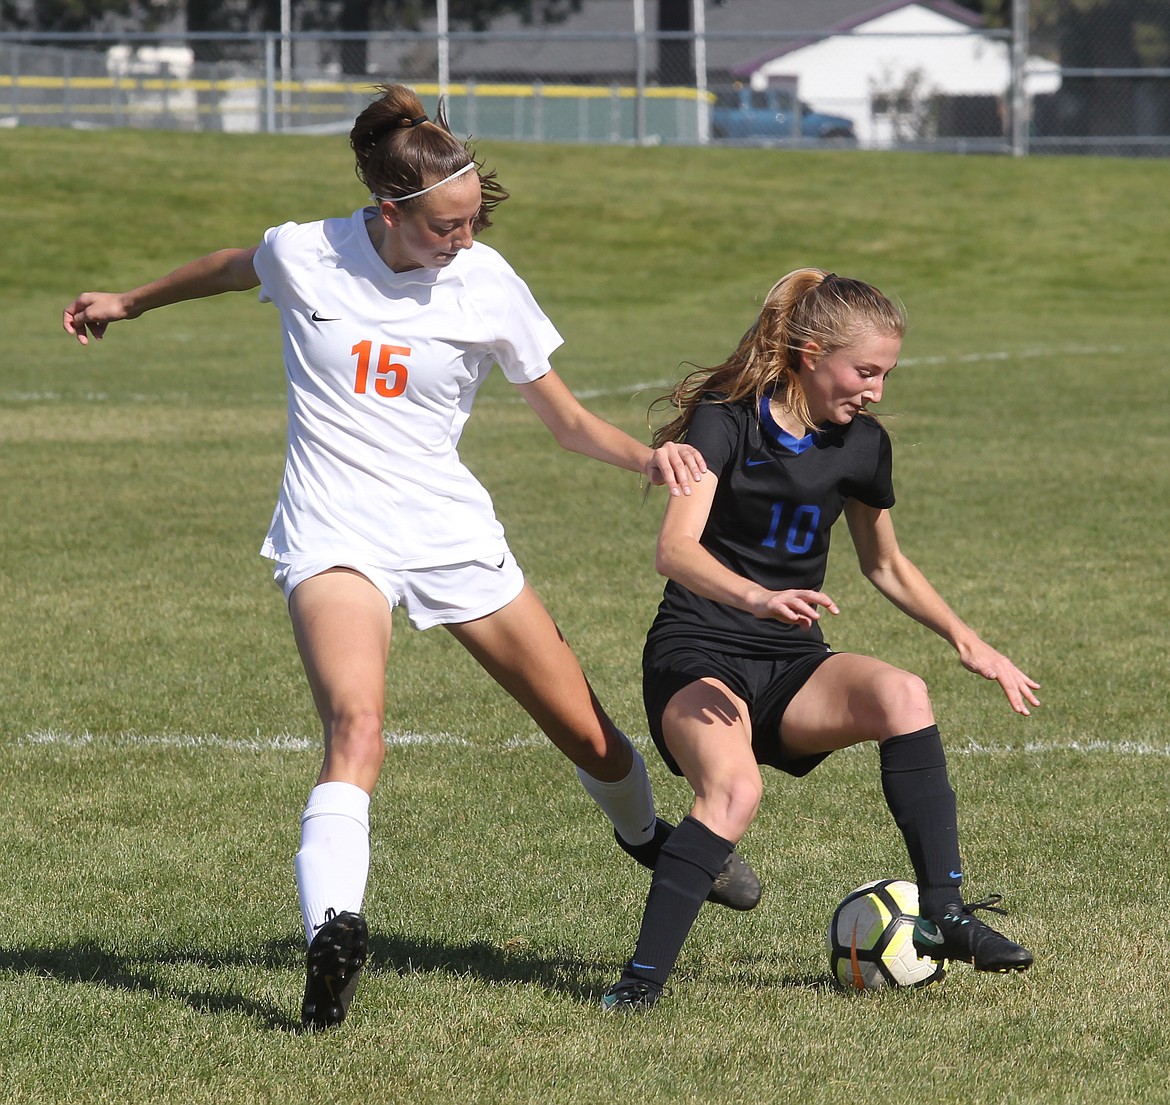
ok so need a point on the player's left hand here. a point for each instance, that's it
(986, 661)
(675, 466)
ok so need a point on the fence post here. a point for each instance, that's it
(702, 117)
(66, 84)
(1019, 90)
(640, 71)
(119, 107)
(269, 83)
(17, 99)
(285, 58)
(443, 21)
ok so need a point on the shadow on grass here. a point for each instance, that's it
(406, 956)
(750, 979)
(90, 964)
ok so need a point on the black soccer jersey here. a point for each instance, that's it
(777, 500)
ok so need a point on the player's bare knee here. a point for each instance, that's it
(602, 751)
(356, 737)
(730, 810)
(904, 701)
(744, 802)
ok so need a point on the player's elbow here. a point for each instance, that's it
(568, 437)
(568, 431)
(880, 571)
(662, 560)
(240, 272)
(669, 554)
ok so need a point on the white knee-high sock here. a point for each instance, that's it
(628, 803)
(334, 860)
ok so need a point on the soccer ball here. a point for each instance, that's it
(871, 938)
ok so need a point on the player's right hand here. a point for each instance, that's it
(91, 312)
(797, 607)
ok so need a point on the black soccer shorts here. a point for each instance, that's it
(766, 685)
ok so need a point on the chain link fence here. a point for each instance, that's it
(1114, 91)
(883, 86)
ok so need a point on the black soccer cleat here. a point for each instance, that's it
(630, 995)
(735, 887)
(959, 935)
(334, 962)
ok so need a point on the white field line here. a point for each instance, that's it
(1113, 748)
(995, 356)
(632, 389)
(280, 742)
(288, 742)
(992, 357)
(163, 398)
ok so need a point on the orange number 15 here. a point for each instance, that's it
(389, 376)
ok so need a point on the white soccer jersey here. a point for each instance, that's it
(382, 371)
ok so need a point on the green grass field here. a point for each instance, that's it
(157, 740)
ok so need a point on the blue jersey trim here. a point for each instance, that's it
(781, 436)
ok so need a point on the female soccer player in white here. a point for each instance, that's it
(735, 669)
(391, 319)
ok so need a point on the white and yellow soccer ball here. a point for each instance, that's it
(871, 938)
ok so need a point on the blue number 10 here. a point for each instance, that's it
(801, 530)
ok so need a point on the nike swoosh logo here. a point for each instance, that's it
(954, 874)
(321, 318)
(647, 828)
(642, 966)
(757, 460)
(930, 937)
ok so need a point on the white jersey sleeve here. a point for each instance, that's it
(523, 338)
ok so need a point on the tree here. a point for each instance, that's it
(1112, 30)
(205, 16)
(1106, 34)
(362, 16)
(1098, 34)
(67, 16)
(244, 15)
(676, 58)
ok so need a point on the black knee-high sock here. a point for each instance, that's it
(690, 859)
(919, 794)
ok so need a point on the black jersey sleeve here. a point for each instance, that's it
(877, 490)
(714, 431)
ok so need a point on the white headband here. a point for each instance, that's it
(423, 191)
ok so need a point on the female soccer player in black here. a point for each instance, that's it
(736, 672)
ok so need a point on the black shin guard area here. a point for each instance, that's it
(919, 794)
(687, 867)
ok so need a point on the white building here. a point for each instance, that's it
(885, 68)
